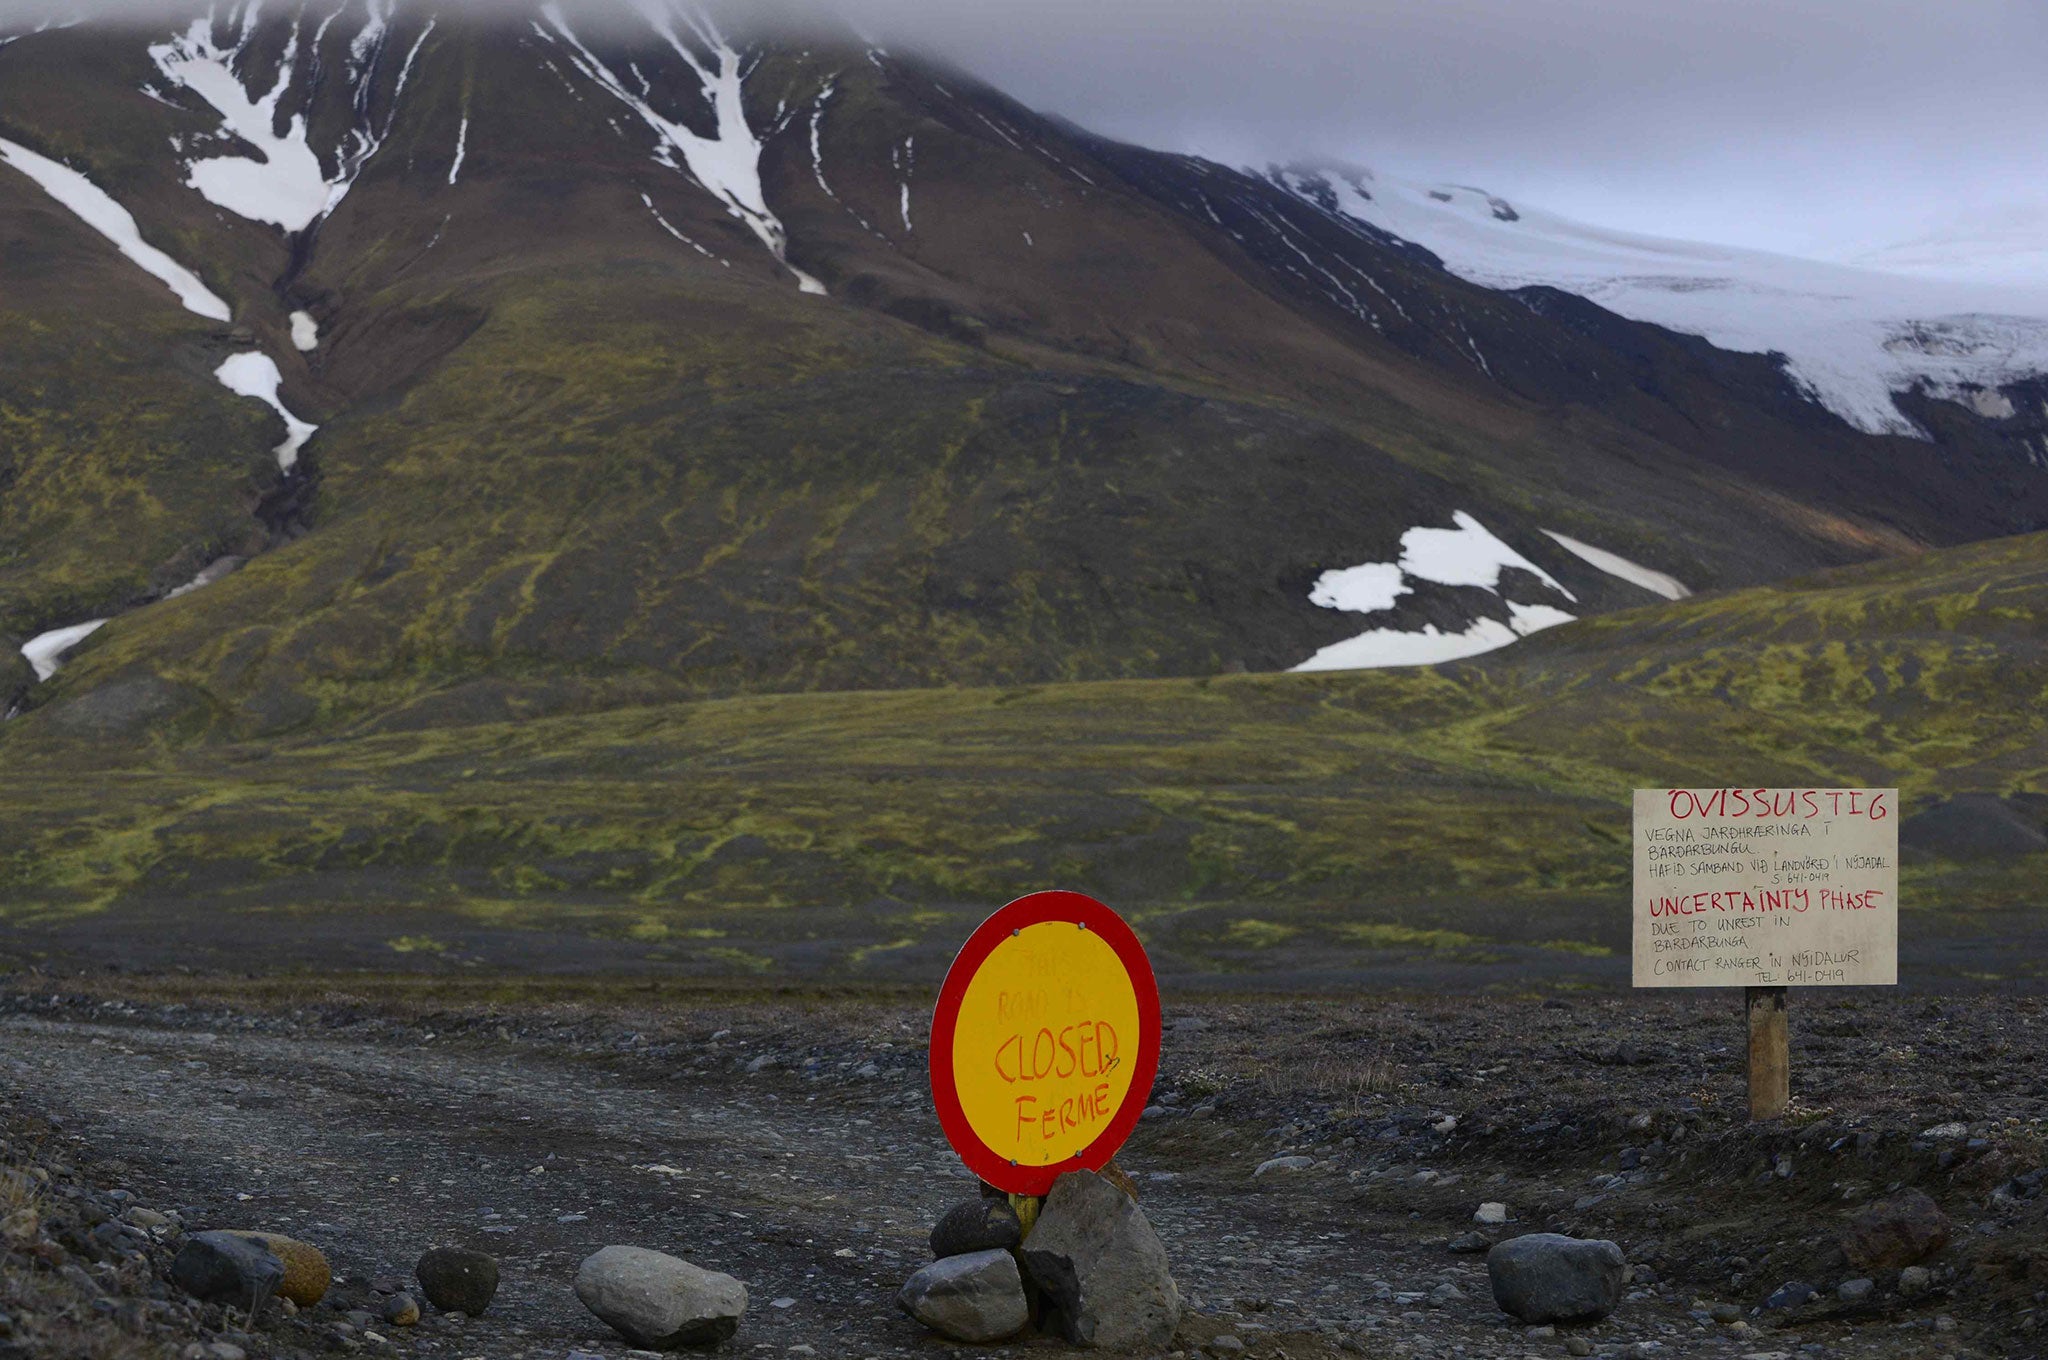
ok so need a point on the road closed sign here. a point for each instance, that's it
(1045, 1041)
(1766, 887)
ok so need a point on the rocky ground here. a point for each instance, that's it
(1309, 1164)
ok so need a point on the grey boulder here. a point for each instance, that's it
(457, 1280)
(1791, 1294)
(976, 1225)
(1100, 1268)
(1547, 1277)
(225, 1267)
(1901, 1231)
(659, 1302)
(975, 1297)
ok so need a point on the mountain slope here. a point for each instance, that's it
(1284, 821)
(124, 467)
(589, 431)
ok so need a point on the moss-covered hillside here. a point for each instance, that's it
(1278, 821)
(124, 467)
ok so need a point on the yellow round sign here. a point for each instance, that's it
(1042, 1055)
(1045, 1042)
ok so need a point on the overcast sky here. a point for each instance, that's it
(1814, 126)
(1819, 127)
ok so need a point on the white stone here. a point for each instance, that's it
(660, 1301)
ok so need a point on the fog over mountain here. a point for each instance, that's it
(1812, 125)
(1833, 128)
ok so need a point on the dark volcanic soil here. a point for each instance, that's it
(790, 1141)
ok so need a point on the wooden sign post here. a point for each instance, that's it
(1764, 889)
(1045, 1041)
(1770, 1051)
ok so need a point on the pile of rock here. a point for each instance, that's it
(246, 1269)
(89, 1270)
(654, 1301)
(1892, 1236)
(1084, 1263)
(79, 1260)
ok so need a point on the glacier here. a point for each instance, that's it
(1852, 338)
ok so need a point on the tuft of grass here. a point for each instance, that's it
(21, 1206)
(1343, 1081)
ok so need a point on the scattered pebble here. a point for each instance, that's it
(1283, 1164)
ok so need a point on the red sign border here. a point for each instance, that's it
(1037, 909)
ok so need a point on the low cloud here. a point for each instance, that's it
(1823, 126)
(1792, 123)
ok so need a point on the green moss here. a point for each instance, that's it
(1255, 934)
(1377, 810)
(1378, 935)
(1583, 948)
(738, 960)
(121, 472)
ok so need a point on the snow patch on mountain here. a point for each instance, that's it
(45, 651)
(1851, 338)
(217, 570)
(1364, 589)
(461, 149)
(817, 133)
(92, 206)
(727, 164)
(254, 374)
(369, 39)
(1384, 647)
(42, 26)
(1534, 618)
(668, 227)
(285, 183)
(1467, 554)
(1614, 564)
(904, 158)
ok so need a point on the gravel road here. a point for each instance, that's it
(796, 1151)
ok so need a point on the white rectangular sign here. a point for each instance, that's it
(1766, 887)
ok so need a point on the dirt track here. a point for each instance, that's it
(541, 1140)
